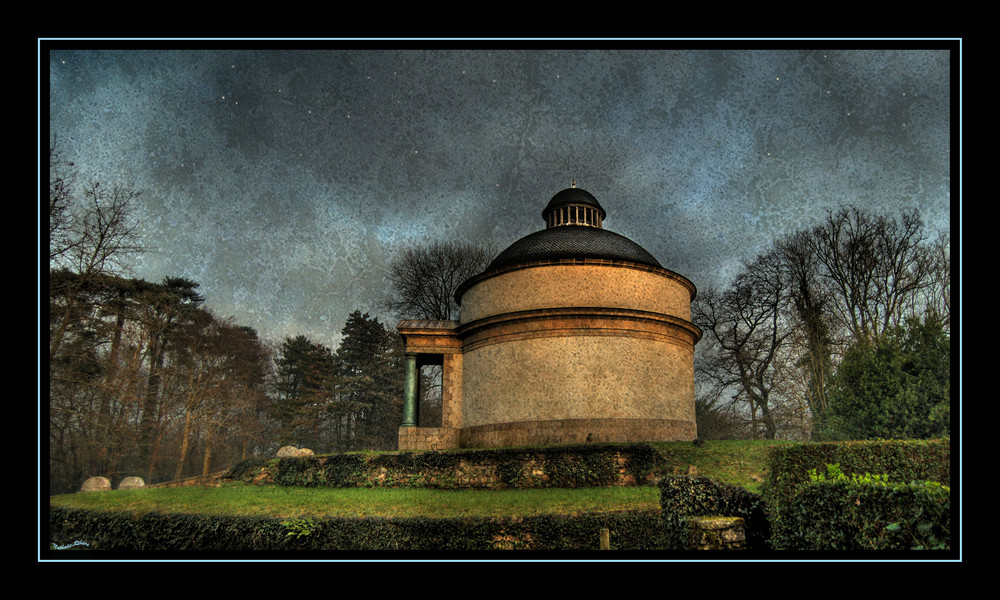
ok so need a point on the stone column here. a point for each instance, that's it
(411, 392)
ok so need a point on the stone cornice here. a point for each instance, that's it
(429, 337)
(460, 291)
(578, 321)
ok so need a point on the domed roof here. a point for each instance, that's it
(572, 241)
(572, 196)
(573, 231)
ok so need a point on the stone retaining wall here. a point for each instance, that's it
(563, 466)
(717, 533)
(204, 480)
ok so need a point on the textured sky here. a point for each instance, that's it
(285, 181)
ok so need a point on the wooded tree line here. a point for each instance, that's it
(144, 380)
(838, 331)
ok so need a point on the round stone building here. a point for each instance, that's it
(573, 334)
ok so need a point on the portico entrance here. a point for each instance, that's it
(429, 342)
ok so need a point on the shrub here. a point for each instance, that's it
(868, 512)
(684, 496)
(900, 461)
(897, 385)
(640, 530)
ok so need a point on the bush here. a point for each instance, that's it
(153, 532)
(895, 386)
(901, 461)
(867, 512)
(685, 496)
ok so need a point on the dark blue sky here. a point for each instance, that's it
(285, 181)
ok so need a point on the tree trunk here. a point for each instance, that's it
(185, 437)
(147, 425)
(206, 463)
(104, 430)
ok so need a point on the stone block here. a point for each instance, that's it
(96, 484)
(292, 451)
(717, 533)
(131, 483)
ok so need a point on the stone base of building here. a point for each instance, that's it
(546, 433)
(428, 438)
(577, 431)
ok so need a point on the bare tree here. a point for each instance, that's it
(424, 279)
(98, 234)
(773, 335)
(60, 202)
(810, 305)
(873, 267)
(747, 338)
(938, 297)
(91, 236)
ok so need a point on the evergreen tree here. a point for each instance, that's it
(304, 385)
(895, 386)
(369, 371)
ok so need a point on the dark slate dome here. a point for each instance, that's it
(572, 241)
(574, 230)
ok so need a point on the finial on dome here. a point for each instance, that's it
(573, 184)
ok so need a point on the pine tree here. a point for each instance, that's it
(369, 371)
(304, 385)
(895, 386)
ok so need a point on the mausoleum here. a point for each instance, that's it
(573, 334)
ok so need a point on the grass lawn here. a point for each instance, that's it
(244, 499)
(739, 463)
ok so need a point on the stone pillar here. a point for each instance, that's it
(411, 392)
(451, 391)
(717, 533)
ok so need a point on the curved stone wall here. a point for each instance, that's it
(575, 353)
(583, 283)
(577, 377)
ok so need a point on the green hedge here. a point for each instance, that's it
(684, 496)
(899, 460)
(562, 466)
(869, 513)
(120, 532)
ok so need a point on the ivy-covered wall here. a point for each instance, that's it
(686, 497)
(559, 466)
